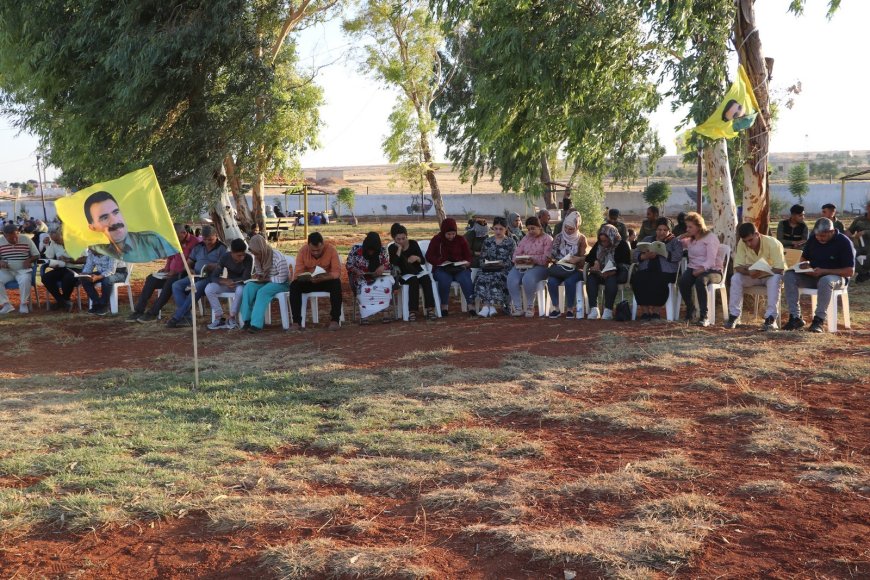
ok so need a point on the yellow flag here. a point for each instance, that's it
(737, 111)
(126, 219)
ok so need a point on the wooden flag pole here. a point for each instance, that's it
(193, 318)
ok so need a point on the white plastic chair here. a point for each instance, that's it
(283, 298)
(722, 287)
(582, 293)
(672, 306)
(313, 296)
(113, 297)
(831, 317)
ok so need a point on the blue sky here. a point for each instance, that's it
(827, 57)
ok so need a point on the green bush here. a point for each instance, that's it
(657, 193)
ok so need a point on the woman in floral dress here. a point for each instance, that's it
(490, 286)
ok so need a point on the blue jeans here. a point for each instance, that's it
(570, 283)
(445, 279)
(182, 296)
(519, 280)
(102, 298)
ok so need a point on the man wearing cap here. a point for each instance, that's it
(793, 232)
(613, 219)
(859, 231)
(831, 256)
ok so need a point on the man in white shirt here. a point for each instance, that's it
(17, 255)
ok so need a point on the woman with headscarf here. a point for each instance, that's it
(569, 253)
(450, 257)
(495, 262)
(408, 260)
(655, 272)
(269, 277)
(610, 258)
(530, 267)
(475, 235)
(515, 227)
(368, 267)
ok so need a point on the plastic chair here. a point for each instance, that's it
(831, 315)
(113, 297)
(722, 287)
(672, 306)
(13, 285)
(313, 296)
(283, 298)
(581, 291)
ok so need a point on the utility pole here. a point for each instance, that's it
(41, 192)
(700, 179)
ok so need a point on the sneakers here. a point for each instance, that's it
(732, 321)
(818, 325)
(218, 324)
(134, 316)
(593, 313)
(770, 323)
(486, 312)
(555, 314)
(608, 314)
(100, 310)
(7, 308)
(334, 326)
(24, 309)
(530, 313)
(794, 323)
(231, 324)
(146, 318)
(173, 323)
(514, 311)
(703, 322)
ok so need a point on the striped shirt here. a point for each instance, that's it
(280, 271)
(15, 254)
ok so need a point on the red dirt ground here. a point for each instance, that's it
(811, 531)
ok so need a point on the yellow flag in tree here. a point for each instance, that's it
(126, 219)
(737, 111)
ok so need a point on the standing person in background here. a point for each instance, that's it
(233, 269)
(476, 234)
(17, 255)
(530, 267)
(704, 265)
(447, 252)
(793, 232)
(544, 220)
(648, 226)
(515, 227)
(680, 228)
(270, 276)
(613, 219)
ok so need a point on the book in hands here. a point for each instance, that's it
(802, 268)
(659, 248)
(460, 263)
(566, 263)
(762, 266)
(80, 275)
(609, 267)
(309, 275)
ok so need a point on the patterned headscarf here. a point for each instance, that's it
(512, 219)
(603, 255)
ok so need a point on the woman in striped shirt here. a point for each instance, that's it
(269, 277)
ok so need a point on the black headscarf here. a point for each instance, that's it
(371, 247)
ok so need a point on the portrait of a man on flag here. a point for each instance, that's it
(736, 113)
(125, 219)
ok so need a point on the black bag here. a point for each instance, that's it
(622, 312)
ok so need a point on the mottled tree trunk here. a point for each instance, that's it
(756, 193)
(222, 216)
(243, 212)
(258, 199)
(434, 189)
(721, 192)
(546, 181)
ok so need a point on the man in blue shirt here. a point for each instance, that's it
(829, 258)
(203, 260)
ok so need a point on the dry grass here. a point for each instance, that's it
(671, 465)
(681, 506)
(705, 384)
(426, 355)
(325, 557)
(838, 475)
(776, 435)
(774, 399)
(764, 487)
(634, 416)
(621, 483)
(740, 413)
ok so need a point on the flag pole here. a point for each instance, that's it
(193, 318)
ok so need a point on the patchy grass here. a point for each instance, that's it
(740, 413)
(774, 399)
(764, 487)
(635, 416)
(705, 384)
(779, 435)
(426, 355)
(838, 475)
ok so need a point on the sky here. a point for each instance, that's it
(827, 57)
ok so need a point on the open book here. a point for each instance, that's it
(309, 275)
(608, 267)
(659, 248)
(762, 266)
(565, 263)
(460, 263)
(802, 267)
(80, 275)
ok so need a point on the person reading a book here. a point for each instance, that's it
(17, 255)
(409, 263)
(59, 270)
(450, 257)
(828, 261)
(163, 279)
(568, 253)
(368, 271)
(793, 232)
(531, 257)
(318, 269)
(203, 259)
(759, 260)
(609, 261)
(658, 259)
(233, 270)
(270, 275)
(496, 261)
(705, 264)
(103, 271)
(859, 232)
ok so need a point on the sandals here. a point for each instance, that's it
(432, 315)
(412, 317)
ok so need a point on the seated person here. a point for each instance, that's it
(447, 247)
(490, 285)
(680, 228)
(649, 226)
(232, 270)
(163, 279)
(270, 275)
(793, 232)
(59, 273)
(368, 271)
(407, 259)
(654, 272)
(613, 219)
(17, 255)
(202, 261)
(705, 265)
(829, 210)
(477, 232)
(530, 267)
(515, 227)
(104, 271)
(609, 260)
(751, 247)
(316, 253)
(831, 256)
(544, 219)
(859, 232)
(570, 246)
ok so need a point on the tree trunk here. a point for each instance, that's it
(721, 192)
(546, 180)
(222, 216)
(437, 201)
(243, 212)
(258, 200)
(756, 191)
